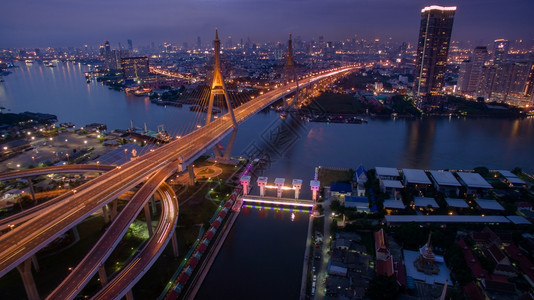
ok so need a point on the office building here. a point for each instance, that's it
(135, 67)
(113, 59)
(433, 49)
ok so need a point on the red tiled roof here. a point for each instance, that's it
(472, 261)
(385, 267)
(473, 292)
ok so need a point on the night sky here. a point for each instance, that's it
(42, 23)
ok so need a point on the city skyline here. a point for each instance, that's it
(43, 24)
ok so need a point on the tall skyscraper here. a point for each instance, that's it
(500, 51)
(199, 44)
(107, 47)
(130, 45)
(433, 48)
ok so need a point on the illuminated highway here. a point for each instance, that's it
(128, 277)
(31, 212)
(78, 278)
(25, 240)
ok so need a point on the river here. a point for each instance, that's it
(265, 248)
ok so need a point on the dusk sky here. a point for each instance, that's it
(38, 23)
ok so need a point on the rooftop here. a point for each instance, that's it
(424, 202)
(382, 171)
(392, 184)
(445, 219)
(473, 180)
(340, 187)
(489, 204)
(460, 203)
(519, 220)
(444, 178)
(411, 271)
(398, 204)
(416, 176)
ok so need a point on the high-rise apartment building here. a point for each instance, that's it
(471, 71)
(433, 49)
(135, 67)
(500, 51)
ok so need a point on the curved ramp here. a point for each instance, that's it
(128, 277)
(78, 278)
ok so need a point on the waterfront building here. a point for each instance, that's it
(433, 49)
(471, 71)
(135, 67)
(511, 82)
(113, 59)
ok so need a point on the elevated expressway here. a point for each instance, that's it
(78, 278)
(29, 213)
(21, 243)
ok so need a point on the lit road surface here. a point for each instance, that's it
(78, 278)
(128, 277)
(35, 210)
(26, 239)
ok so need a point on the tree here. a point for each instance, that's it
(483, 171)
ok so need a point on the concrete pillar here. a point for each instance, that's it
(75, 232)
(103, 276)
(105, 213)
(315, 185)
(35, 263)
(297, 184)
(279, 183)
(230, 145)
(174, 241)
(129, 295)
(245, 182)
(191, 171)
(114, 209)
(153, 203)
(25, 270)
(148, 220)
(32, 191)
(262, 182)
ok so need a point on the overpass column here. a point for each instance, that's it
(297, 184)
(75, 233)
(103, 276)
(105, 213)
(129, 295)
(35, 263)
(32, 191)
(191, 171)
(174, 241)
(114, 209)
(279, 182)
(262, 182)
(25, 270)
(315, 185)
(148, 220)
(245, 182)
(153, 203)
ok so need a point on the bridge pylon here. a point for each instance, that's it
(289, 74)
(217, 85)
(219, 88)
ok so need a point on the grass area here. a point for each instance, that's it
(327, 176)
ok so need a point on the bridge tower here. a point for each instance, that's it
(217, 85)
(219, 88)
(289, 74)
